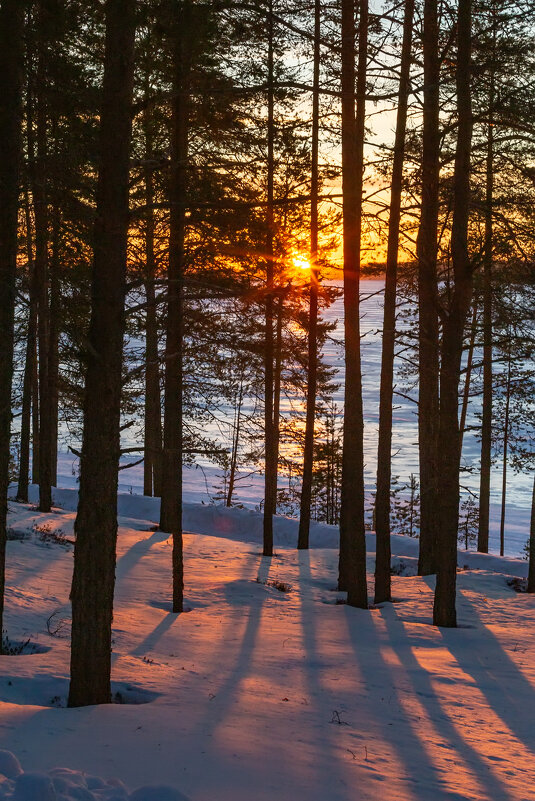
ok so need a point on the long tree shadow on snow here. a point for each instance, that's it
(225, 694)
(133, 555)
(124, 566)
(148, 644)
(422, 687)
(395, 725)
(328, 764)
(495, 673)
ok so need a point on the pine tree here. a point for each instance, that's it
(180, 25)
(312, 366)
(11, 65)
(352, 562)
(384, 466)
(428, 357)
(96, 520)
(454, 321)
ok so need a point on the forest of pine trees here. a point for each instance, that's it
(185, 189)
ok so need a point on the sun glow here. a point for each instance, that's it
(301, 262)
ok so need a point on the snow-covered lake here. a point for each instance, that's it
(199, 482)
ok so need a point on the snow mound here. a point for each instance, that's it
(63, 784)
(9, 765)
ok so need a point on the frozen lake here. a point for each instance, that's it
(199, 482)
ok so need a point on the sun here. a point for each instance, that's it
(301, 262)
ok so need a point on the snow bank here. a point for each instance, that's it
(62, 784)
(240, 525)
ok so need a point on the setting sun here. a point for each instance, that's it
(301, 262)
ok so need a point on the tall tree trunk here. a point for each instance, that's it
(235, 445)
(35, 413)
(171, 504)
(531, 572)
(270, 477)
(486, 420)
(96, 521)
(444, 612)
(468, 373)
(352, 562)
(53, 343)
(384, 450)
(39, 190)
(428, 365)
(152, 450)
(11, 53)
(153, 409)
(29, 367)
(31, 378)
(277, 384)
(505, 454)
(312, 359)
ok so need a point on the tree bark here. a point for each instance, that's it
(312, 359)
(270, 473)
(444, 612)
(352, 562)
(384, 450)
(39, 191)
(468, 373)
(277, 385)
(29, 366)
(505, 450)
(152, 451)
(96, 521)
(35, 414)
(428, 362)
(235, 445)
(486, 420)
(531, 572)
(11, 62)
(53, 343)
(171, 503)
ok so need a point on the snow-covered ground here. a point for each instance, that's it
(258, 693)
(201, 481)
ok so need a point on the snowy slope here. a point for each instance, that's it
(257, 694)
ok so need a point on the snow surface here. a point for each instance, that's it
(257, 693)
(200, 482)
(62, 784)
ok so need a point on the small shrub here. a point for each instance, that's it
(281, 586)
(57, 624)
(468, 522)
(518, 584)
(49, 536)
(17, 647)
(57, 701)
